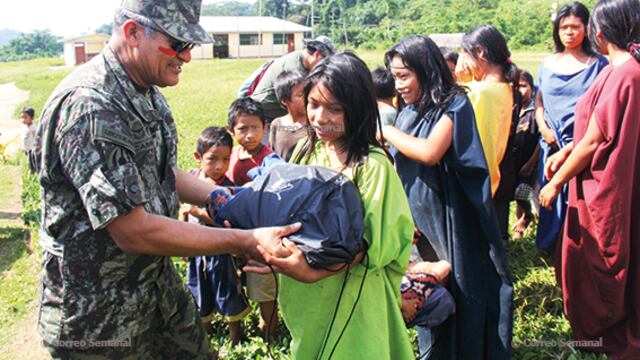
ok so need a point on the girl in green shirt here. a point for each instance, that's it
(363, 320)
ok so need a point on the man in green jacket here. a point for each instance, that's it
(301, 60)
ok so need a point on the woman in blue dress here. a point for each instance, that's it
(563, 78)
(440, 160)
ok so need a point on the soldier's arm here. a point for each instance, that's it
(191, 189)
(96, 156)
(144, 233)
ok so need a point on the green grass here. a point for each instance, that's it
(17, 276)
(201, 99)
(39, 76)
(9, 187)
(18, 269)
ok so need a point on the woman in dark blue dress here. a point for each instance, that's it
(563, 78)
(441, 163)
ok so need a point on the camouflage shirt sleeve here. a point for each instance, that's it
(97, 156)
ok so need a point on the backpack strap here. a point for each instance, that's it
(251, 83)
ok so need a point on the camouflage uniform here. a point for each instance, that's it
(107, 147)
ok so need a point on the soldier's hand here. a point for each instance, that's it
(270, 239)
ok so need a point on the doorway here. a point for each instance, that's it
(221, 46)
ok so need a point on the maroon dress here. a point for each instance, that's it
(601, 249)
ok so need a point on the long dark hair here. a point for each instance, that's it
(578, 10)
(495, 49)
(350, 83)
(619, 22)
(422, 56)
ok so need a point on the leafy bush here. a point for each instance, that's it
(38, 44)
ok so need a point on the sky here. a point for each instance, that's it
(63, 17)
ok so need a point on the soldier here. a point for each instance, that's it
(110, 190)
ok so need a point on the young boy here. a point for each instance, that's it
(527, 151)
(287, 130)
(246, 123)
(451, 57)
(385, 90)
(213, 280)
(28, 139)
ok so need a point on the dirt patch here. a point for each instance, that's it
(26, 343)
(10, 98)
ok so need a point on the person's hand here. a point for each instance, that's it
(409, 309)
(463, 70)
(549, 137)
(270, 239)
(294, 265)
(548, 194)
(257, 267)
(185, 210)
(554, 162)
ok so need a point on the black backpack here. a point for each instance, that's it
(326, 202)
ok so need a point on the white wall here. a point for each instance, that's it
(204, 51)
(268, 49)
(69, 54)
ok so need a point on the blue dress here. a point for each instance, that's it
(452, 207)
(560, 93)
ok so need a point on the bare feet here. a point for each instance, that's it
(520, 227)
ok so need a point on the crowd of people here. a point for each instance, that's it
(437, 143)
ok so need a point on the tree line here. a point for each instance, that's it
(381, 23)
(363, 23)
(37, 44)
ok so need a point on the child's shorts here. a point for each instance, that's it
(215, 286)
(261, 287)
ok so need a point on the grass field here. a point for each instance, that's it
(200, 100)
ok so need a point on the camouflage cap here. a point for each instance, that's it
(321, 43)
(178, 18)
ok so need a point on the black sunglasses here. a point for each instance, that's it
(176, 46)
(181, 46)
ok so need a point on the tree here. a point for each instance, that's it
(32, 45)
(104, 29)
(228, 8)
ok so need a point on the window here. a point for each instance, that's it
(279, 39)
(250, 39)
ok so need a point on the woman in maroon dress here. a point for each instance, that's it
(601, 249)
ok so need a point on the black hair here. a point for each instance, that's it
(494, 45)
(244, 106)
(383, 83)
(348, 79)
(29, 111)
(422, 56)
(576, 9)
(526, 76)
(213, 136)
(449, 54)
(619, 22)
(285, 82)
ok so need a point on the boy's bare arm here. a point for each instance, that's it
(440, 270)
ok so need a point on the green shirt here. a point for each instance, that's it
(376, 329)
(265, 93)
